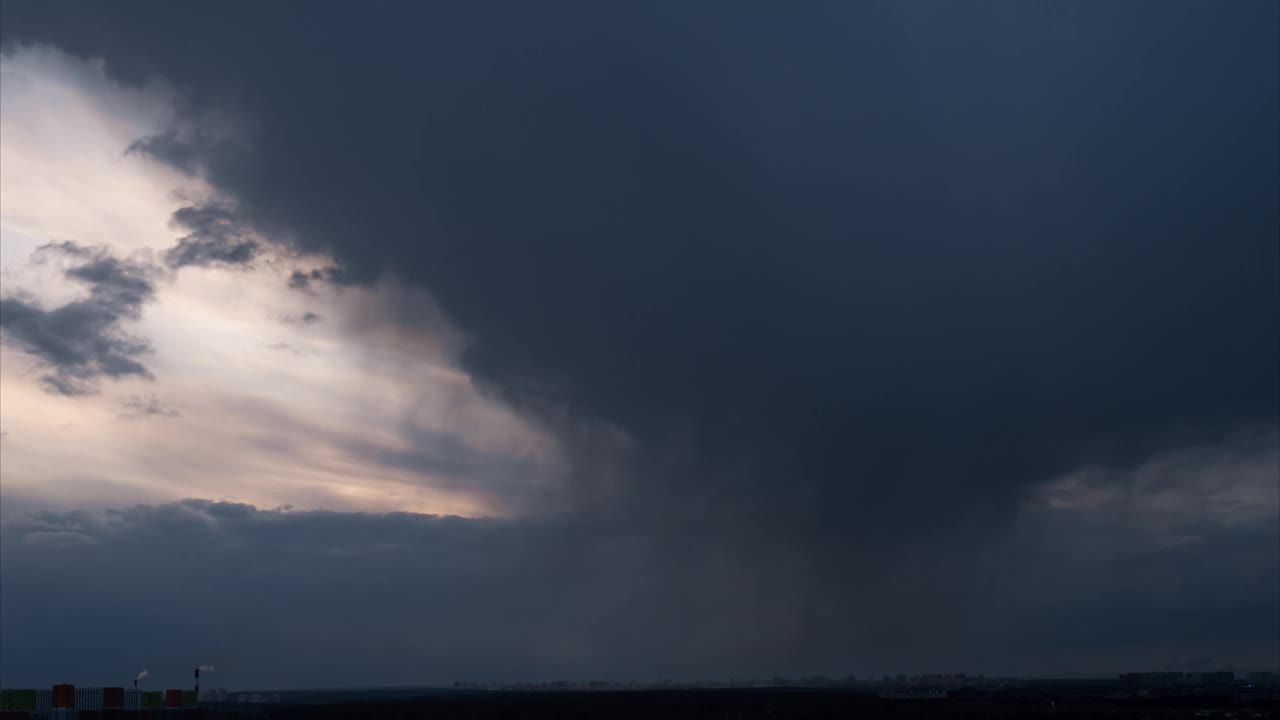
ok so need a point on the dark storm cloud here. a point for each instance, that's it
(82, 340)
(218, 236)
(853, 278)
(305, 599)
(246, 582)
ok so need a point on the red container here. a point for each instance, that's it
(113, 697)
(173, 698)
(64, 696)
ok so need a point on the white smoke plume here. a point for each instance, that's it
(206, 668)
(141, 675)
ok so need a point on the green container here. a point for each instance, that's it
(152, 699)
(188, 698)
(17, 699)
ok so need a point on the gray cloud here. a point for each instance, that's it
(62, 538)
(292, 349)
(1191, 532)
(137, 406)
(83, 341)
(280, 597)
(506, 483)
(304, 280)
(306, 318)
(184, 151)
(217, 236)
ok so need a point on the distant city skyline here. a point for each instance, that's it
(939, 680)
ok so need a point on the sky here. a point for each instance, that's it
(489, 341)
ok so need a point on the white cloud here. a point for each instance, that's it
(332, 424)
(1231, 484)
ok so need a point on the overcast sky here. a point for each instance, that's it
(499, 341)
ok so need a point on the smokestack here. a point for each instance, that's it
(139, 677)
(198, 669)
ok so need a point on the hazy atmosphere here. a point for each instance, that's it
(398, 344)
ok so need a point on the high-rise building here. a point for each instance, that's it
(64, 696)
(17, 700)
(173, 698)
(152, 699)
(113, 697)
